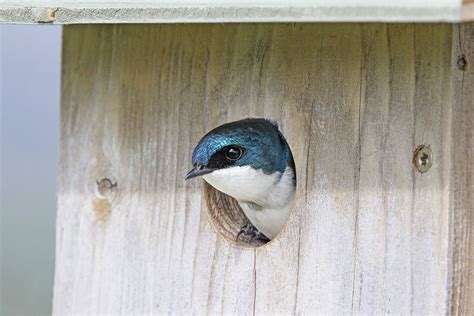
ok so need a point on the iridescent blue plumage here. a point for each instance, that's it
(265, 147)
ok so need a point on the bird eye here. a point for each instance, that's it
(233, 153)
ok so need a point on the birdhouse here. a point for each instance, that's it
(379, 117)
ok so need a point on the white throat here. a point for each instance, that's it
(266, 199)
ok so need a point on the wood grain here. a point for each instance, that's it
(462, 174)
(220, 11)
(467, 12)
(369, 234)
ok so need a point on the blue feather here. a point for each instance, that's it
(264, 146)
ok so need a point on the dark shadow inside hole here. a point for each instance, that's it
(227, 216)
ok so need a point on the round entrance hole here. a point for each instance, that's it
(250, 180)
(228, 218)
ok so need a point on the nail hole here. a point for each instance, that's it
(462, 62)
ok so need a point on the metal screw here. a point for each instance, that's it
(105, 186)
(423, 158)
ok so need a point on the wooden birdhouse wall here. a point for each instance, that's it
(368, 233)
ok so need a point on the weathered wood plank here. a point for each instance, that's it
(326, 258)
(462, 176)
(277, 263)
(145, 240)
(208, 11)
(403, 105)
(369, 233)
(467, 11)
(392, 173)
(430, 214)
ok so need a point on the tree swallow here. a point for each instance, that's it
(250, 161)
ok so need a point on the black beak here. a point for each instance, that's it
(197, 171)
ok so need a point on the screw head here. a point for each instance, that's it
(423, 158)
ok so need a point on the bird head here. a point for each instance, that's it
(240, 154)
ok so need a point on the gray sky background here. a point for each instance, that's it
(29, 120)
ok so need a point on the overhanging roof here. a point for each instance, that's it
(221, 11)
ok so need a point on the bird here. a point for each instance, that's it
(251, 161)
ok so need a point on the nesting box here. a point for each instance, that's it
(370, 232)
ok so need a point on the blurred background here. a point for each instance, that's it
(29, 120)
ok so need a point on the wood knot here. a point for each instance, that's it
(105, 186)
(101, 203)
